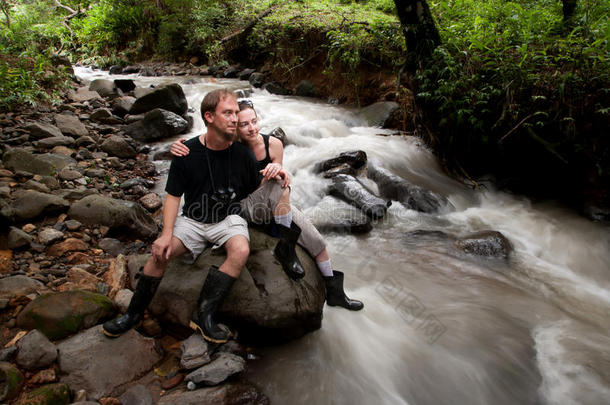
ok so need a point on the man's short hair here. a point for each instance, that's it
(211, 100)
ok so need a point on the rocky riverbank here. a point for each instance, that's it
(77, 216)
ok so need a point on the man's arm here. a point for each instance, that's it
(161, 248)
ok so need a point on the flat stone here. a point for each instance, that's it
(117, 361)
(222, 367)
(70, 125)
(69, 175)
(49, 143)
(195, 352)
(42, 130)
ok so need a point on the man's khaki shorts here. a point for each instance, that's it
(196, 236)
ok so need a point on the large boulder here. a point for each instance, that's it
(396, 188)
(61, 314)
(118, 215)
(334, 215)
(170, 98)
(30, 204)
(83, 94)
(46, 164)
(355, 159)
(157, 124)
(306, 88)
(101, 366)
(349, 189)
(264, 305)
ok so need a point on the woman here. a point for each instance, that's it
(269, 152)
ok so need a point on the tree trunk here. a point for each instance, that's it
(568, 9)
(420, 31)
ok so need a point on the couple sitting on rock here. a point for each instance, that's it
(224, 186)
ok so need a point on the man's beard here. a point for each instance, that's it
(228, 136)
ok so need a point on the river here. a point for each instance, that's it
(438, 326)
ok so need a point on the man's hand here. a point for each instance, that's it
(178, 148)
(162, 248)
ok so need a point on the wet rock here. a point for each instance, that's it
(104, 87)
(15, 286)
(306, 88)
(35, 351)
(225, 394)
(170, 98)
(378, 113)
(352, 191)
(125, 85)
(112, 246)
(245, 74)
(136, 181)
(151, 201)
(122, 105)
(223, 366)
(117, 146)
(231, 72)
(355, 159)
(137, 395)
(485, 243)
(49, 143)
(264, 305)
(70, 125)
(61, 314)
(334, 215)
(11, 381)
(117, 361)
(157, 124)
(279, 134)
(50, 394)
(30, 204)
(18, 239)
(104, 116)
(42, 130)
(276, 88)
(69, 245)
(118, 215)
(411, 196)
(195, 352)
(131, 69)
(257, 79)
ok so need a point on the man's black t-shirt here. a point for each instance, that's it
(233, 168)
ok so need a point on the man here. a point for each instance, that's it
(218, 179)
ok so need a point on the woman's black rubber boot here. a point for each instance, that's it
(335, 296)
(145, 291)
(286, 253)
(215, 288)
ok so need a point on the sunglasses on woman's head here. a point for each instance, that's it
(243, 104)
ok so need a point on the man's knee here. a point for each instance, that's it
(238, 247)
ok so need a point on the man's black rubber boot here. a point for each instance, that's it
(145, 291)
(286, 253)
(215, 288)
(335, 296)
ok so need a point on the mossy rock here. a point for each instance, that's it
(51, 394)
(11, 381)
(59, 315)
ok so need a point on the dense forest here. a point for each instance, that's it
(514, 89)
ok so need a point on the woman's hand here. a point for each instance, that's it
(271, 171)
(178, 148)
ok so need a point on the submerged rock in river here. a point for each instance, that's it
(351, 190)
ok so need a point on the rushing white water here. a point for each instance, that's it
(438, 326)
